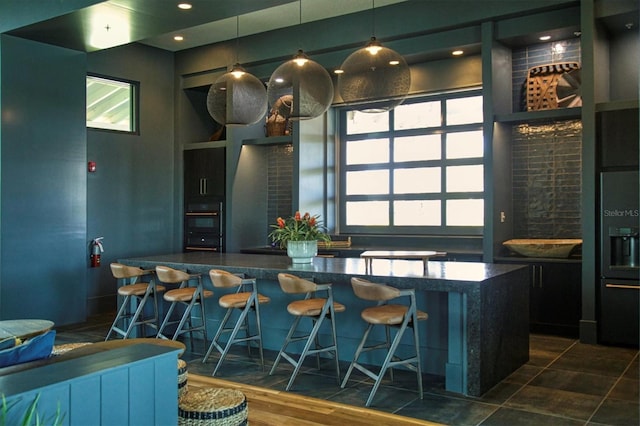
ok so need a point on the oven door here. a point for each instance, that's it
(202, 222)
(203, 241)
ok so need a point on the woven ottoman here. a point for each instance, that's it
(182, 378)
(213, 406)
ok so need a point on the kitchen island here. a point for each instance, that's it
(478, 327)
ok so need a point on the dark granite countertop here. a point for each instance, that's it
(441, 276)
(267, 249)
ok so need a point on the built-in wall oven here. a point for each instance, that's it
(620, 266)
(203, 227)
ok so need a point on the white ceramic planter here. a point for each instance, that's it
(302, 251)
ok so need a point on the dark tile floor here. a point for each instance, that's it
(565, 382)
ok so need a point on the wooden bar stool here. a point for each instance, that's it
(245, 300)
(388, 315)
(136, 294)
(189, 296)
(317, 309)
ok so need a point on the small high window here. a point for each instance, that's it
(112, 104)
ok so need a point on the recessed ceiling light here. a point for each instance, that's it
(178, 38)
(184, 6)
(394, 62)
(338, 71)
(457, 52)
(545, 38)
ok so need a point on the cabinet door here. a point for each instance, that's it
(204, 173)
(556, 298)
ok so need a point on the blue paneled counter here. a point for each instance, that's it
(133, 385)
(478, 327)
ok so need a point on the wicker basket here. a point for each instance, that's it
(182, 378)
(213, 406)
(541, 84)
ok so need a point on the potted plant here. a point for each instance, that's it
(299, 234)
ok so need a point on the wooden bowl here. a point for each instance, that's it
(535, 247)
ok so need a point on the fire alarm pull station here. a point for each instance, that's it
(91, 166)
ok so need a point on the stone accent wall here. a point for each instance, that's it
(280, 182)
(547, 189)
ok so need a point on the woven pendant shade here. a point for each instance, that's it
(376, 76)
(237, 98)
(307, 81)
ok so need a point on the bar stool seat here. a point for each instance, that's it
(319, 310)
(138, 294)
(388, 315)
(245, 300)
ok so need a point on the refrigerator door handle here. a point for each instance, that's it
(633, 287)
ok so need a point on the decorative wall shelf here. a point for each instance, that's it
(201, 145)
(541, 115)
(271, 140)
(616, 105)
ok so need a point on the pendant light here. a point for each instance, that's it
(306, 81)
(237, 98)
(374, 78)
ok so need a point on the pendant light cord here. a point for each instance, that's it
(299, 22)
(373, 18)
(237, 39)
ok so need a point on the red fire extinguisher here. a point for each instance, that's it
(96, 249)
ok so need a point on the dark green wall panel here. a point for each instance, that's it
(133, 199)
(43, 182)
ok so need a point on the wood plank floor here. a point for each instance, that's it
(272, 407)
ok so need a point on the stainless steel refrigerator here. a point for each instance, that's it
(619, 302)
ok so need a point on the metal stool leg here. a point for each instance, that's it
(259, 327)
(287, 340)
(306, 350)
(119, 316)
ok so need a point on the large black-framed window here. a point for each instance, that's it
(415, 170)
(112, 104)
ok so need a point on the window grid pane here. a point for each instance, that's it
(417, 115)
(465, 178)
(368, 151)
(367, 213)
(417, 181)
(363, 122)
(465, 212)
(465, 144)
(417, 213)
(417, 148)
(464, 110)
(368, 182)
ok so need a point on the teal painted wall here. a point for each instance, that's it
(43, 182)
(132, 198)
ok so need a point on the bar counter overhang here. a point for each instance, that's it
(479, 312)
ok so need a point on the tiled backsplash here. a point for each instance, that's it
(280, 182)
(539, 54)
(547, 189)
